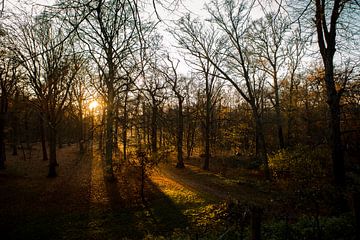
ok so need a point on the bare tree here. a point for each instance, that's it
(179, 86)
(153, 89)
(295, 50)
(8, 81)
(50, 69)
(268, 36)
(111, 32)
(203, 45)
(239, 66)
(327, 23)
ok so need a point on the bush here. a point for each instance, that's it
(331, 228)
(300, 162)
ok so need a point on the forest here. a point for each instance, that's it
(180, 119)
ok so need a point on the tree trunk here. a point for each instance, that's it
(207, 126)
(261, 152)
(190, 140)
(2, 143)
(81, 130)
(154, 129)
(3, 111)
(180, 163)
(335, 141)
(278, 112)
(256, 217)
(124, 130)
(327, 46)
(109, 140)
(15, 134)
(43, 138)
(290, 118)
(116, 132)
(15, 125)
(207, 141)
(52, 148)
(101, 131)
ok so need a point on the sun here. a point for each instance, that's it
(94, 104)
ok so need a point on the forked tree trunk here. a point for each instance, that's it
(327, 45)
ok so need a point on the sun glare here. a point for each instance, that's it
(94, 104)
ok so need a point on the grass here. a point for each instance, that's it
(35, 207)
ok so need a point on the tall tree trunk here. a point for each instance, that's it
(116, 132)
(43, 138)
(154, 128)
(27, 130)
(52, 149)
(278, 116)
(190, 139)
(125, 126)
(327, 45)
(333, 100)
(207, 131)
(180, 163)
(290, 118)
(3, 111)
(109, 138)
(15, 134)
(81, 129)
(2, 143)
(261, 152)
(15, 125)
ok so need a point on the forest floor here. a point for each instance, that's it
(80, 204)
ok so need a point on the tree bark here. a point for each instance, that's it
(327, 45)
(125, 126)
(261, 152)
(81, 129)
(278, 114)
(3, 111)
(154, 128)
(256, 219)
(109, 139)
(52, 149)
(180, 162)
(43, 138)
(2, 143)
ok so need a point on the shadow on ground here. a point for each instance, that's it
(124, 216)
(34, 207)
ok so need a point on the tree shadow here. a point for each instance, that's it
(127, 217)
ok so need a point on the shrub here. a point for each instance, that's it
(331, 228)
(300, 162)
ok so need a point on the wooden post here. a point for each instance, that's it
(256, 216)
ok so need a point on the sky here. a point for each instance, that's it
(196, 7)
